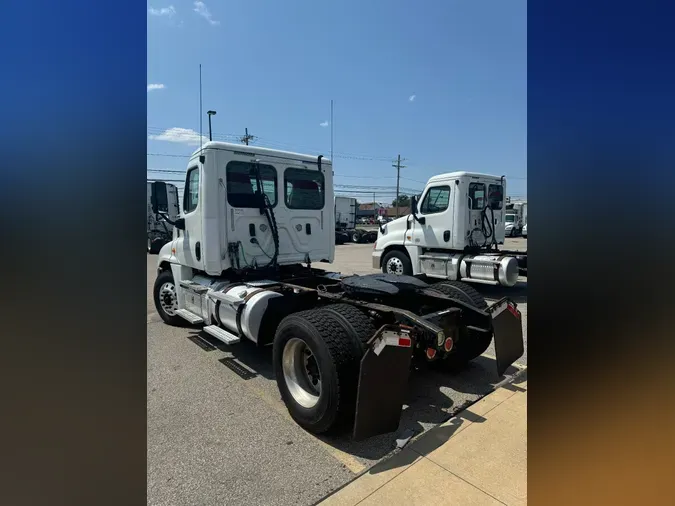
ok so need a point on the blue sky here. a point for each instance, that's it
(443, 83)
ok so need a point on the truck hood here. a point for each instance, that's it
(393, 231)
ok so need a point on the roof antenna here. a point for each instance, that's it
(201, 138)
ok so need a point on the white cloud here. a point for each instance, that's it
(152, 87)
(412, 97)
(164, 11)
(180, 135)
(203, 11)
(324, 124)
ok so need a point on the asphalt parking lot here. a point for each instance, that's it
(218, 432)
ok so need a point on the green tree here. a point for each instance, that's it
(403, 201)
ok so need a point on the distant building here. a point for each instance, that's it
(402, 211)
(369, 210)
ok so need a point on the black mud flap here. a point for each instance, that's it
(508, 331)
(383, 381)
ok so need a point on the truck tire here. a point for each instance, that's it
(166, 300)
(356, 236)
(397, 262)
(316, 365)
(471, 344)
(354, 321)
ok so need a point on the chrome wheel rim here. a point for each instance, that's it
(395, 266)
(301, 373)
(167, 298)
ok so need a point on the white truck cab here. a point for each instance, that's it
(452, 233)
(224, 222)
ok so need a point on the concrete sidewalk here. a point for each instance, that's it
(477, 457)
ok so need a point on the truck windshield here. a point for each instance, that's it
(510, 218)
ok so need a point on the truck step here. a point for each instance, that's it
(481, 281)
(228, 299)
(221, 334)
(195, 287)
(189, 316)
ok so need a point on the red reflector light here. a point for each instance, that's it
(404, 341)
(448, 344)
(513, 310)
(431, 353)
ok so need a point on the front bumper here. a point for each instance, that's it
(377, 256)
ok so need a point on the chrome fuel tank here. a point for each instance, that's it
(491, 269)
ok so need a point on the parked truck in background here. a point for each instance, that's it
(254, 222)
(160, 231)
(513, 224)
(454, 233)
(345, 223)
(345, 219)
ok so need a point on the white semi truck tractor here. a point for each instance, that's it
(454, 233)
(240, 266)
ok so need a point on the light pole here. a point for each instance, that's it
(210, 113)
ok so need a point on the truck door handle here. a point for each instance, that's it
(308, 228)
(446, 235)
(198, 250)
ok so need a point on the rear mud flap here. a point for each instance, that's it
(383, 380)
(508, 333)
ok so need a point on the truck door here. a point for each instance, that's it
(476, 205)
(248, 228)
(496, 201)
(305, 197)
(437, 229)
(190, 252)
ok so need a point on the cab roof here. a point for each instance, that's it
(455, 175)
(258, 150)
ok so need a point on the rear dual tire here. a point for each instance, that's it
(470, 343)
(316, 355)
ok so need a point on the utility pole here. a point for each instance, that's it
(247, 138)
(398, 175)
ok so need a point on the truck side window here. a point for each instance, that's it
(496, 196)
(191, 197)
(436, 200)
(477, 196)
(305, 189)
(242, 185)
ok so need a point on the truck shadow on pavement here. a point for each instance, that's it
(433, 396)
